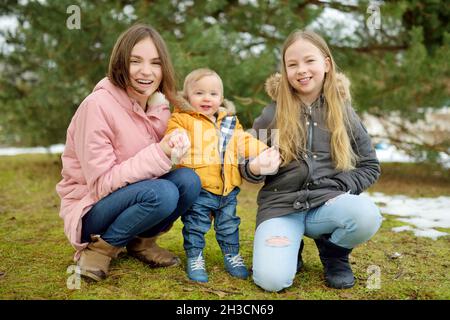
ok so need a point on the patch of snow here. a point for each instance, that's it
(427, 233)
(391, 154)
(56, 148)
(422, 214)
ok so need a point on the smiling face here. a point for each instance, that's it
(205, 95)
(145, 71)
(305, 68)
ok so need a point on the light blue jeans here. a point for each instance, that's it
(349, 219)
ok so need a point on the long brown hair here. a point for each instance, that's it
(292, 131)
(119, 63)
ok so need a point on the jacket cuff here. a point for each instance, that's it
(166, 161)
(343, 184)
(247, 175)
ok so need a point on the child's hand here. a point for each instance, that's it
(180, 144)
(266, 163)
(175, 144)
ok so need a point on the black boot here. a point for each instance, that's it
(299, 259)
(338, 273)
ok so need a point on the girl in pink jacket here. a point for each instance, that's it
(116, 189)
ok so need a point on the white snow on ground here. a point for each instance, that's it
(56, 148)
(421, 215)
(391, 154)
(428, 233)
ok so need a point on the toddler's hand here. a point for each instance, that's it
(175, 145)
(266, 163)
(180, 144)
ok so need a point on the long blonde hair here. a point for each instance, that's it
(291, 128)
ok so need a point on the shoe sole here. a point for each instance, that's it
(344, 286)
(202, 281)
(198, 280)
(91, 276)
(153, 264)
(243, 278)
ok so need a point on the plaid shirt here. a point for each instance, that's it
(226, 131)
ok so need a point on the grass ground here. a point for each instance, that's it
(35, 255)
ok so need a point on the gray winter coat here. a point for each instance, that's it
(311, 181)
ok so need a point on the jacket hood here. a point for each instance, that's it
(226, 106)
(273, 82)
(124, 99)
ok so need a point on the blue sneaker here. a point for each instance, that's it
(234, 264)
(196, 269)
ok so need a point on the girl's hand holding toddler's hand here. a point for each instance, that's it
(266, 163)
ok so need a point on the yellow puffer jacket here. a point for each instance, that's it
(204, 156)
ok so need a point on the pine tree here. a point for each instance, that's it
(402, 65)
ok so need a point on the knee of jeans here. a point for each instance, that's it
(190, 181)
(372, 221)
(272, 281)
(366, 221)
(165, 196)
(195, 222)
(227, 227)
(273, 276)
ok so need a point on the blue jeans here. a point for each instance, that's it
(197, 222)
(349, 219)
(143, 208)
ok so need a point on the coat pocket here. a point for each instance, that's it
(324, 183)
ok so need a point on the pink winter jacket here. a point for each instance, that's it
(111, 142)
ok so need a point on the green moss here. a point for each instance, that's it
(35, 254)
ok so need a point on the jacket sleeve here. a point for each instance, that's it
(264, 121)
(176, 122)
(248, 146)
(367, 169)
(94, 145)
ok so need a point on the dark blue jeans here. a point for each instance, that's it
(143, 208)
(197, 222)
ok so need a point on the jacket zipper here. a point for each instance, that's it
(310, 129)
(309, 148)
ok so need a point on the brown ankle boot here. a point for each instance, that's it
(146, 250)
(95, 258)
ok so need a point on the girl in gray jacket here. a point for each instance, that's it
(327, 161)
